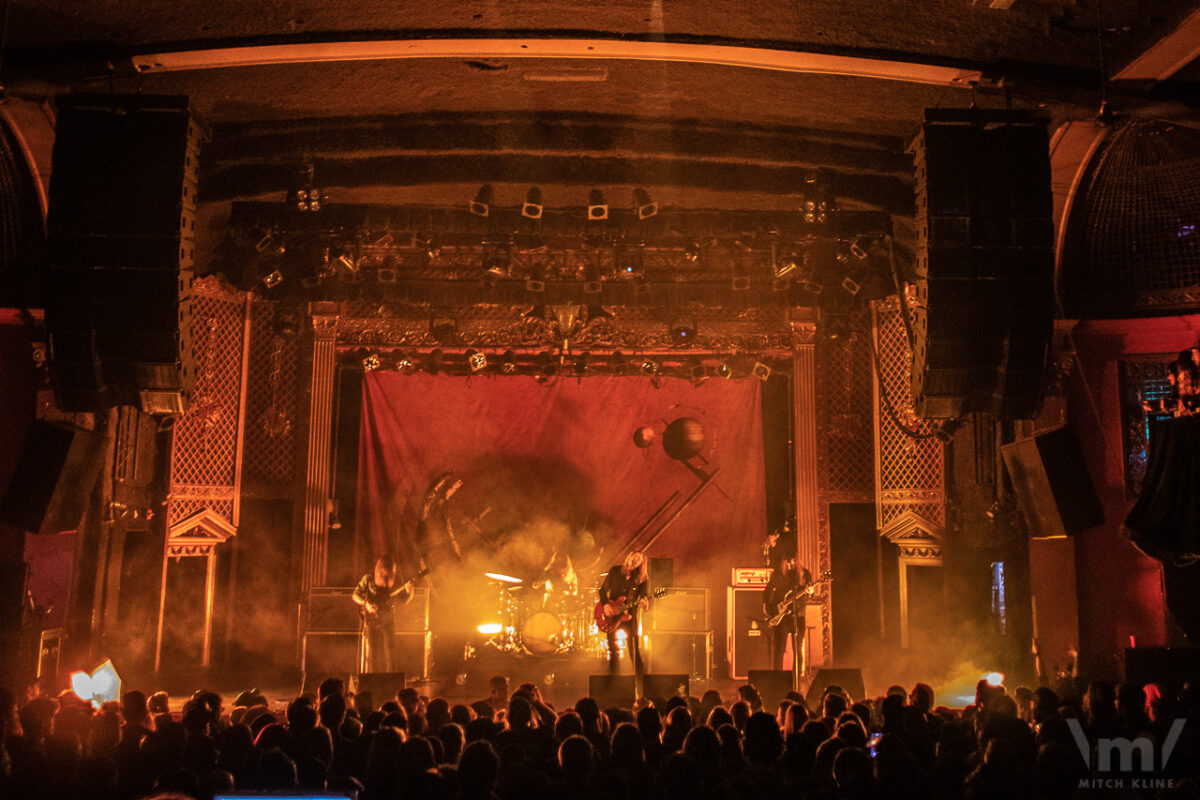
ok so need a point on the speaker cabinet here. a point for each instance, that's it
(688, 653)
(749, 640)
(611, 691)
(665, 685)
(50, 488)
(1052, 483)
(772, 686)
(330, 610)
(381, 686)
(850, 679)
(120, 229)
(329, 654)
(985, 263)
(679, 610)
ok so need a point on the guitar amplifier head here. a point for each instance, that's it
(750, 576)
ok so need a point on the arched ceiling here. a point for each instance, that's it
(429, 128)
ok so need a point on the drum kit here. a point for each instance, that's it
(542, 619)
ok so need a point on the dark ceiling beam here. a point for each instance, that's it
(887, 192)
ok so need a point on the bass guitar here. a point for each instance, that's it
(608, 621)
(369, 616)
(785, 606)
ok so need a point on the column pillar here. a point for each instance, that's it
(810, 550)
(320, 427)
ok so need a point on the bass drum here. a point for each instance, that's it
(542, 634)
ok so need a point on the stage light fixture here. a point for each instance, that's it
(618, 363)
(532, 207)
(761, 371)
(508, 363)
(273, 279)
(597, 207)
(642, 203)
(858, 248)
(582, 364)
(385, 240)
(405, 365)
(481, 206)
(305, 197)
(476, 361)
(789, 264)
(433, 362)
(696, 369)
(547, 366)
(431, 246)
(371, 362)
(741, 283)
(683, 332)
(850, 285)
(812, 287)
(650, 367)
(536, 282)
(724, 370)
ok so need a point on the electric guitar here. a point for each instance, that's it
(368, 617)
(785, 605)
(607, 621)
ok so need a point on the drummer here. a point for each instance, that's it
(559, 574)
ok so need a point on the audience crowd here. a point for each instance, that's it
(516, 746)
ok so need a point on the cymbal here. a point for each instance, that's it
(496, 576)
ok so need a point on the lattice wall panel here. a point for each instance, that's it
(911, 476)
(269, 455)
(205, 449)
(845, 416)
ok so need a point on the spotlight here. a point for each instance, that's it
(405, 365)
(490, 628)
(724, 370)
(597, 208)
(347, 261)
(547, 366)
(305, 197)
(371, 362)
(683, 333)
(850, 285)
(102, 686)
(433, 362)
(761, 371)
(618, 363)
(650, 367)
(431, 247)
(696, 369)
(273, 279)
(582, 364)
(532, 207)
(858, 248)
(642, 203)
(812, 287)
(508, 363)
(818, 204)
(481, 206)
(536, 281)
(476, 361)
(788, 264)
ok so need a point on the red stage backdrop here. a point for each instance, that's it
(554, 467)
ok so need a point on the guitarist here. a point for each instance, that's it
(376, 594)
(627, 583)
(786, 585)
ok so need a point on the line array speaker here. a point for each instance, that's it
(120, 232)
(985, 263)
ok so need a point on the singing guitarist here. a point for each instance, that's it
(785, 585)
(624, 594)
(377, 593)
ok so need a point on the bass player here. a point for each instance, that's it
(783, 598)
(376, 594)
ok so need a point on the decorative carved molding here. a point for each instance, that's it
(186, 492)
(913, 496)
(918, 552)
(178, 551)
(493, 326)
